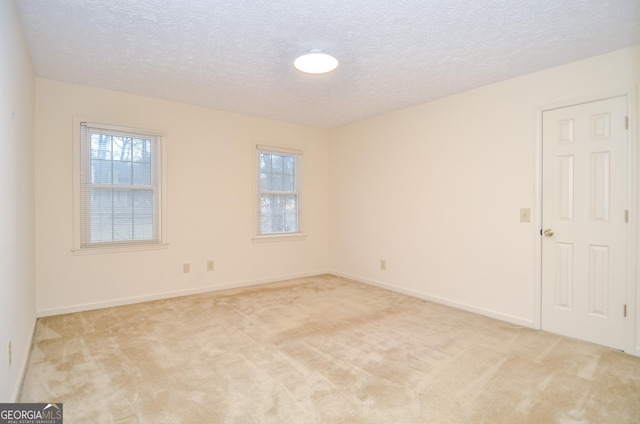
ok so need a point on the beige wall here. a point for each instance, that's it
(210, 201)
(17, 279)
(436, 189)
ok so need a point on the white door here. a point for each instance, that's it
(584, 221)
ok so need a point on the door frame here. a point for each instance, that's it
(632, 342)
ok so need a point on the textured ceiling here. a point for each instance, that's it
(237, 55)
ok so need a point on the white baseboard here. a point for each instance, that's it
(24, 361)
(166, 295)
(206, 289)
(443, 301)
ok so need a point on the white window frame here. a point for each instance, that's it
(80, 244)
(258, 236)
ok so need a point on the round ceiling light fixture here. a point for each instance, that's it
(316, 62)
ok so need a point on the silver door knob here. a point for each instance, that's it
(548, 232)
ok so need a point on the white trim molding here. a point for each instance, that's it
(163, 242)
(170, 294)
(24, 362)
(299, 189)
(441, 300)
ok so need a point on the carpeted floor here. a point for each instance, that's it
(320, 350)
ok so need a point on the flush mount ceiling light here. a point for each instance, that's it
(316, 62)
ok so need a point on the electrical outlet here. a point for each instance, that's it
(383, 265)
(210, 265)
(525, 215)
(185, 268)
(9, 353)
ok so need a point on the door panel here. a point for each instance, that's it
(564, 276)
(584, 204)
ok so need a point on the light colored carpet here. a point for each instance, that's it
(320, 350)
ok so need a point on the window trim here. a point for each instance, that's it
(114, 247)
(301, 234)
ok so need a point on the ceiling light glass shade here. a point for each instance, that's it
(316, 62)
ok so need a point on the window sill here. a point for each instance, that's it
(279, 237)
(118, 249)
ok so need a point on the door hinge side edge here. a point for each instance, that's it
(625, 311)
(626, 122)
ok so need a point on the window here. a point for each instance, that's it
(279, 191)
(120, 193)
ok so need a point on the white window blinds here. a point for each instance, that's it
(279, 178)
(119, 186)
